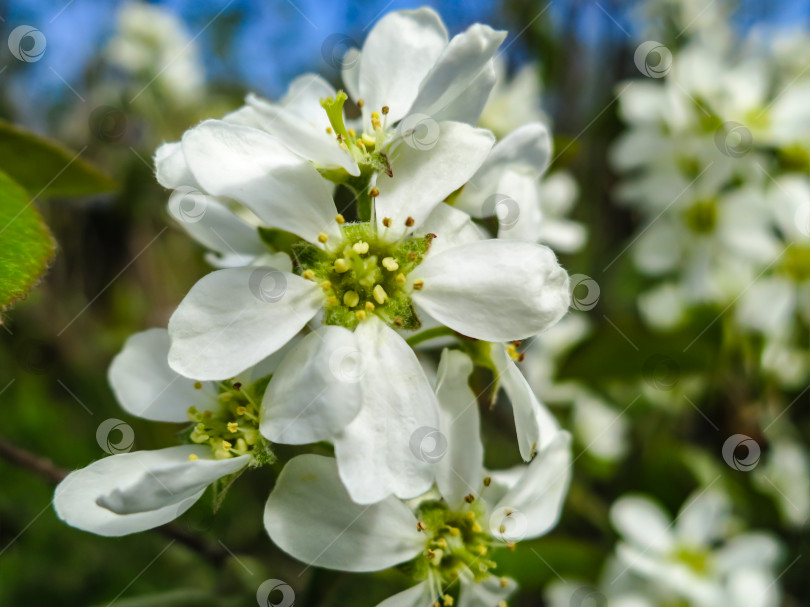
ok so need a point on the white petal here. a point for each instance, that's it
(146, 386)
(466, 58)
(75, 499)
(703, 519)
(754, 549)
(536, 501)
(451, 228)
(517, 207)
(460, 471)
(768, 306)
(316, 390)
(231, 319)
(310, 515)
(424, 175)
(753, 588)
(302, 128)
(382, 452)
(494, 290)
(488, 593)
(535, 425)
(397, 54)
(214, 225)
(469, 106)
(643, 523)
(350, 72)
(256, 169)
(171, 168)
(415, 596)
(563, 235)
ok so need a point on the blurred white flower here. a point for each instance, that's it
(785, 476)
(513, 102)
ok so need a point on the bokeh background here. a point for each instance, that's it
(123, 265)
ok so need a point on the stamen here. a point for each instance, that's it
(240, 410)
(374, 192)
(360, 314)
(360, 103)
(308, 274)
(409, 222)
(400, 277)
(420, 526)
(326, 285)
(385, 109)
(197, 385)
(487, 481)
(379, 294)
(418, 284)
(329, 130)
(351, 298)
(341, 265)
(192, 457)
(233, 427)
(387, 222)
(390, 264)
(361, 248)
(369, 306)
(322, 238)
(340, 219)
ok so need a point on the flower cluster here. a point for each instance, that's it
(342, 226)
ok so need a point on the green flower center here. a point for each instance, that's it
(233, 429)
(696, 559)
(701, 217)
(364, 275)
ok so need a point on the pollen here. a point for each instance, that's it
(226, 445)
(322, 238)
(360, 314)
(340, 219)
(503, 582)
(390, 264)
(341, 265)
(360, 103)
(420, 526)
(308, 274)
(351, 133)
(385, 109)
(326, 285)
(351, 298)
(387, 222)
(369, 306)
(409, 222)
(241, 410)
(418, 284)
(379, 294)
(233, 427)
(448, 600)
(192, 457)
(197, 385)
(374, 192)
(361, 248)
(469, 498)
(487, 481)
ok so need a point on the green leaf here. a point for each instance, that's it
(26, 244)
(46, 168)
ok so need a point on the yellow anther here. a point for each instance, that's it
(193, 457)
(503, 582)
(454, 531)
(487, 481)
(326, 285)
(375, 115)
(409, 222)
(374, 192)
(400, 277)
(360, 314)
(420, 526)
(361, 248)
(448, 600)
(368, 140)
(308, 274)
(351, 298)
(502, 604)
(341, 265)
(379, 294)
(226, 445)
(387, 222)
(385, 109)
(351, 133)
(469, 515)
(329, 130)
(476, 527)
(390, 264)
(360, 103)
(240, 410)
(511, 546)
(481, 550)
(369, 306)
(332, 300)
(322, 237)
(418, 284)
(233, 427)
(197, 385)
(340, 219)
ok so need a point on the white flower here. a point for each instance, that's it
(695, 557)
(152, 44)
(513, 102)
(130, 492)
(448, 534)
(785, 476)
(410, 82)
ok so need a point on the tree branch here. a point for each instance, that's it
(53, 474)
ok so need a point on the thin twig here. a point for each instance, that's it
(53, 474)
